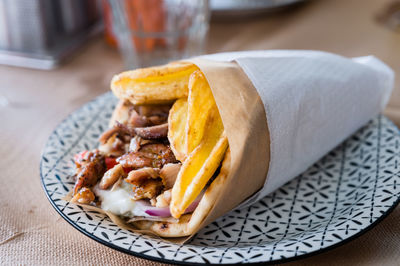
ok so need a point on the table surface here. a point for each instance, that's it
(33, 102)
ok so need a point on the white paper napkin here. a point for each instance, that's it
(313, 101)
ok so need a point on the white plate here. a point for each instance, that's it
(337, 199)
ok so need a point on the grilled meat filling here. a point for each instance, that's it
(149, 155)
(137, 177)
(148, 189)
(138, 137)
(90, 168)
(154, 132)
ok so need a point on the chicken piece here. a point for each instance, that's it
(164, 199)
(155, 114)
(83, 158)
(90, 168)
(84, 196)
(137, 177)
(169, 173)
(137, 142)
(114, 147)
(149, 155)
(154, 132)
(112, 176)
(144, 115)
(149, 189)
(157, 120)
(120, 130)
(153, 110)
(136, 120)
(148, 115)
(135, 160)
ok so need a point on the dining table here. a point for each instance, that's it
(33, 102)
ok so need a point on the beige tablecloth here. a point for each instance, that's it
(33, 102)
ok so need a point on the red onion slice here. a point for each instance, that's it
(165, 212)
(160, 212)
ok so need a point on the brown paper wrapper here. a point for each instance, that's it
(245, 124)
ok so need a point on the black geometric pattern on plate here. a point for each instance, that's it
(340, 196)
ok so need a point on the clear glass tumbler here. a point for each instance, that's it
(153, 32)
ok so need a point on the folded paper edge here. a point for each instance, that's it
(238, 102)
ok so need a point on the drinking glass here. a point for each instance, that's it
(153, 32)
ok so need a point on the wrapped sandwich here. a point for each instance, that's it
(191, 140)
(158, 163)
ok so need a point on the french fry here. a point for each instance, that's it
(200, 165)
(200, 102)
(154, 85)
(176, 128)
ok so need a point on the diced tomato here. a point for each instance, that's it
(127, 170)
(110, 162)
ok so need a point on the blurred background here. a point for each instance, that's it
(43, 34)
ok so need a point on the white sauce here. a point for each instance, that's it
(119, 202)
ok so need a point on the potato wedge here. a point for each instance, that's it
(154, 85)
(176, 128)
(200, 165)
(200, 102)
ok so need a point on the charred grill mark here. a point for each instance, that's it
(89, 170)
(149, 155)
(164, 226)
(148, 189)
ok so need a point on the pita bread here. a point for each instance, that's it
(189, 222)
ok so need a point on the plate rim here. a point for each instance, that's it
(157, 259)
